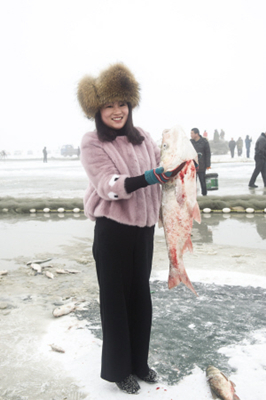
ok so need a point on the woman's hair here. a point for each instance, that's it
(106, 134)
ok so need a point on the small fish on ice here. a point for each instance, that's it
(221, 387)
(49, 274)
(72, 271)
(63, 310)
(57, 348)
(61, 271)
(38, 261)
(36, 267)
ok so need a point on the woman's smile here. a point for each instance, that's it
(115, 114)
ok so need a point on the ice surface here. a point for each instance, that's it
(188, 331)
(68, 178)
(225, 326)
(36, 179)
(82, 362)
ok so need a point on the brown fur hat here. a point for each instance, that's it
(116, 83)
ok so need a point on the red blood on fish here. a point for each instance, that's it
(173, 256)
(181, 176)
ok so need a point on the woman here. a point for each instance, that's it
(124, 201)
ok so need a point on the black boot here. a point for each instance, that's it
(129, 385)
(152, 377)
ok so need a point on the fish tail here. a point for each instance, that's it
(188, 245)
(180, 275)
(196, 213)
(187, 282)
(173, 281)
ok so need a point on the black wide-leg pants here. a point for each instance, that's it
(123, 256)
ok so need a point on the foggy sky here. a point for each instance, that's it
(199, 63)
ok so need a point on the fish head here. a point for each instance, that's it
(176, 148)
(211, 371)
(167, 153)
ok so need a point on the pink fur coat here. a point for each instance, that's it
(108, 164)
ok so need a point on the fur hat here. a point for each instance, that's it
(113, 84)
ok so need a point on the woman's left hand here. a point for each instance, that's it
(157, 176)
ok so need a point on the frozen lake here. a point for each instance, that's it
(30, 178)
(224, 326)
(67, 178)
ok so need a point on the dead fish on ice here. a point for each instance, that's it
(220, 385)
(49, 274)
(37, 268)
(63, 310)
(72, 271)
(38, 261)
(179, 201)
(3, 273)
(57, 348)
(61, 271)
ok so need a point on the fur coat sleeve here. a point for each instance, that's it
(107, 165)
(103, 172)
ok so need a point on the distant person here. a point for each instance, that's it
(222, 134)
(202, 147)
(44, 155)
(3, 154)
(260, 159)
(205, 134)
(248, 144)
(239, 146)
(232, 145)
(78, 152)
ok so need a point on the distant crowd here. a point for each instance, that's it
(239, 146)
(202, 147)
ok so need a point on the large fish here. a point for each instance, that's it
(179, 201)
(220, 385)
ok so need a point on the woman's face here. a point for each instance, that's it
(115, 114)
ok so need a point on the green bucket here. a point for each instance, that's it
(212, 181)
